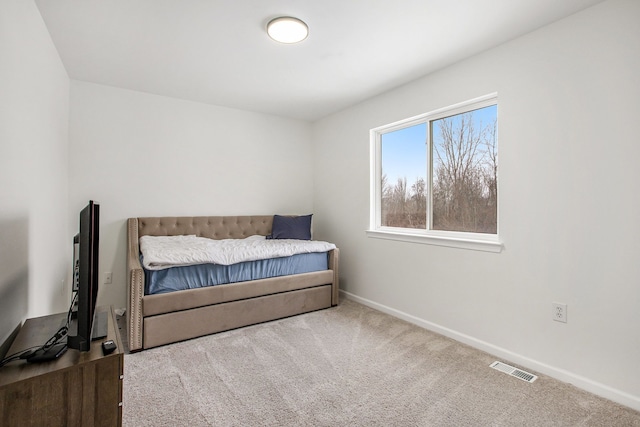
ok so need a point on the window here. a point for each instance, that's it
(434, 178)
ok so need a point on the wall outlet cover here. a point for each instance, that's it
(559, 312)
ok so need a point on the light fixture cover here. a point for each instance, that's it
(287, 29)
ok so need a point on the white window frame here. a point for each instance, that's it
(456, 239)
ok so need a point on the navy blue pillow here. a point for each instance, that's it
(291, 227)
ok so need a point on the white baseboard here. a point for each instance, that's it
(583, 383)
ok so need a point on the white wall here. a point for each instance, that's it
(145, 155)
(35, 249)
(569, 100)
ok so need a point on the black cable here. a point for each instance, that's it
(62, 332)
(23, 354)
(55, 339)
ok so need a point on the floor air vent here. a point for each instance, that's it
(514, 372)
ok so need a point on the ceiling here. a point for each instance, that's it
(217, 51)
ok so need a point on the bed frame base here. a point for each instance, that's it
(183, 325)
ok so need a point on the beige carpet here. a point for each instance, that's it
(346, 366)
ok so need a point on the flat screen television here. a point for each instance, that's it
(86, 325)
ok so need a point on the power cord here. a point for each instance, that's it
(62, 332)
(55, 339)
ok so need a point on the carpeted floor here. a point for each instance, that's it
(345, 366)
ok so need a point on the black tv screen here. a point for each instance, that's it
(88, 245)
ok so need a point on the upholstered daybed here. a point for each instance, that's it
(155, 320)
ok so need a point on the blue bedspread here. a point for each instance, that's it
(198, 276)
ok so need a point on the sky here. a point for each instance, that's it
(404, 154)
(404, 151)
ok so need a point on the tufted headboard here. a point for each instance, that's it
(213, 227)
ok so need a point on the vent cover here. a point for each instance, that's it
(514, 372)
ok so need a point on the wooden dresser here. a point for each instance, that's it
(81, 389)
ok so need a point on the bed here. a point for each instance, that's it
(166, 317)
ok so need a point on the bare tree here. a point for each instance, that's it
(491, 169)
(418, 215)
(463, 182)
(404, 207)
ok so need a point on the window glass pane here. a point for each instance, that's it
(404, 184)
(465, 168)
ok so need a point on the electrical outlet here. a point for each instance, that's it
(107, 278)
(559, 313)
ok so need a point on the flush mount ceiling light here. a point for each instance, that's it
(287, 29)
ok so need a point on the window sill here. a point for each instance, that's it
(485, 245)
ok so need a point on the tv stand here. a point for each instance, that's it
(75, 389)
